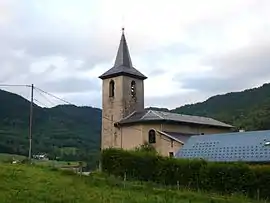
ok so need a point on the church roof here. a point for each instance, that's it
(177, 136)
(151, 115)
(123, 64)
(184, 137)
(252, 146)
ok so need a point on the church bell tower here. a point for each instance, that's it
(122, 94)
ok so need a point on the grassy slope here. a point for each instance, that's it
(7, 157)
(19, 183)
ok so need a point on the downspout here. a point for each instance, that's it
(142, 141)
(121, 138)
(117, 125)
(161, 128)
(121, 134)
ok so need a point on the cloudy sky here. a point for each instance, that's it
(189, 50)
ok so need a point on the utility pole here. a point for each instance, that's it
(30, 123)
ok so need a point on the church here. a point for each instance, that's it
(127, 124)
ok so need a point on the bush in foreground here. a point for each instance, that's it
(225, 178)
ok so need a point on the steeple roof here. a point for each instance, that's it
(123, 64)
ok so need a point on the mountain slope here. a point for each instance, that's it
(72, 133)
(65, 131)
(249, 109)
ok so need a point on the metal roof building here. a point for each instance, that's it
(151, 115)
(253, 146)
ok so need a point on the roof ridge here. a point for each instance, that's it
(128, 115)
(206, 117)
(155, 112)
(173, 117)
(167, 135)
(145, 114)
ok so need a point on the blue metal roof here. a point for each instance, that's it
(252, 146)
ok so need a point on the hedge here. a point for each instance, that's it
(225, 178)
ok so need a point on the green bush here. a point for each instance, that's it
(225, 178)
(146, 147)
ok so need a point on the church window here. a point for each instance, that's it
(151, 136)
(133, 88)
(171, 154)
(111, 89)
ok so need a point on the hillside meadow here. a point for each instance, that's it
(36, 184)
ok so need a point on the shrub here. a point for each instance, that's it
(226, 178)
(146, 147)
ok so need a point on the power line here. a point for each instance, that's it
(40, 91)
(8, 85)
(50, 94)
(42, 94)
(53, 96)
(40, 103)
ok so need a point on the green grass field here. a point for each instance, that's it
(36, 184)
(58, 164)
(6, 157)
(51, 163)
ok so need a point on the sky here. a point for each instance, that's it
(189, 50)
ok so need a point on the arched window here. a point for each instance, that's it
(133, 88)
(151, 136)
(111, 89)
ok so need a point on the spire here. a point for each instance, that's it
(123, 56)
(123, 64)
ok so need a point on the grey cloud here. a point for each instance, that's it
(85, 98)
(154, 56)
(237, 70)
(32, 35)
(213, 84)
(66, 44)
(173, 49)
(71, 85)
(249, 62)
(40, 35)
(176, 50)
(176, 100)
(157, 72)
(12, 65)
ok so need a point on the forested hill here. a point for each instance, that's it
(70, 132)
(65, 131)
(249, 109)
